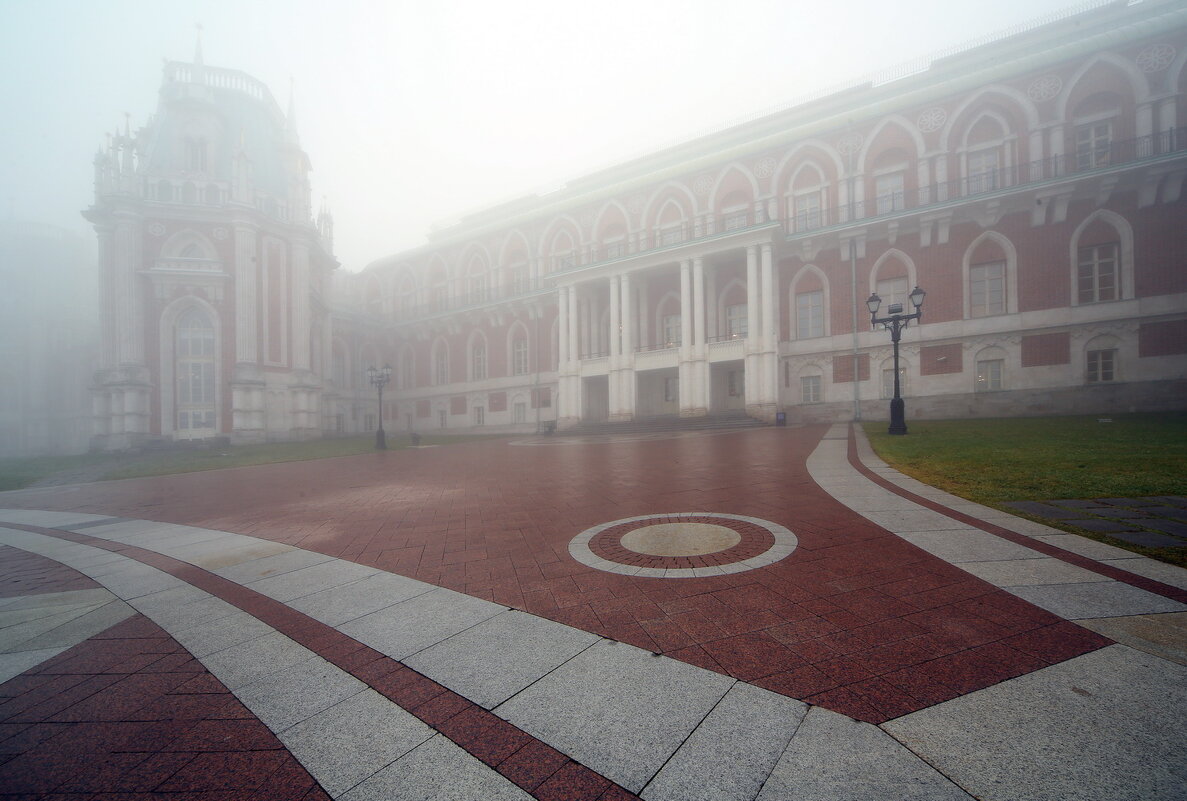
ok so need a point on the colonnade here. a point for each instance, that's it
(756, 347)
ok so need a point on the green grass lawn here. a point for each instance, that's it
(19, 473)
(1035, 459)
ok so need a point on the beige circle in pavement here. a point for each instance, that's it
(680, 539)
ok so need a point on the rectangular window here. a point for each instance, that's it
(479, 362)
(807, 211)
(520, 412)
(671, 389)
(809, 314)
(1093, 143)
(1101, 365)
(810, 389)
(736, 321)
(890, 192)
(1096, 275)
(983, 170)
(479, 416)
(441, 367)
(671, 330)
(987, 289)
(989, 375)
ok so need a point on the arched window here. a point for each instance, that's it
(477, 359)
(440, 364)
(194, 355)
(519, 353)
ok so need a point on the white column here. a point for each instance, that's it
(686, 313)
(563, 329)
(574, 321)
(753, 329)
(246, 303)
(770, 324)
(627, 388)
(615, 320)
(628, 318)
(700, 373)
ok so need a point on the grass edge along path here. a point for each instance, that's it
(998, 460)
(18, 474)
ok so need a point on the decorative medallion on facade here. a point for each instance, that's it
(765, 168)
(932, 119)
(850, 144)
(683, 545)
(1155, 57)
(703, 185)
(1044, 88)
(156, 229)
(220, 233)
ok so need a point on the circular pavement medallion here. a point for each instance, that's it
(682, 545)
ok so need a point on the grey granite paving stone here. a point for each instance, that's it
(205, 636)
(249, 661)
(1170, 574)
(917, 520)
(298, 692)
(835, 758)
(401, 630)
(437, 770)
(345, 602)
(308, 580)
(1028, 572)
(17, 662)
(256, 569)
(968, 545)
(182, 607)
(1053, 735)
(617, 709)
(730, 754)
(95, 620)
(497, 658)
(1083, 546)
(1098, 599)
(46, 599)
(14, 636)
(355, 738)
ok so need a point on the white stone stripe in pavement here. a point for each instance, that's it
(353, 741)
(1063, 589)
(642, 720)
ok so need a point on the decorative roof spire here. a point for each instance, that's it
(198, 45)
(291, 121)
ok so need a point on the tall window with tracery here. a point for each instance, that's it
(195, 365)
(1096, 273)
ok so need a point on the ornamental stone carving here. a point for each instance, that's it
(157, 229)
(850, 143)
(1155, 57)
(932, 119)
(1044, 88)
(703, 185)
(220, 233)
(765, 168)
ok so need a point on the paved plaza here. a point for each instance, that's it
(769, 613)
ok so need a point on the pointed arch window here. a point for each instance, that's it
(194, 354)
(478, 359)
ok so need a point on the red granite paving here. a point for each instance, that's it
(129, 714)
(539, 769)
(856, 619)
(24, 573)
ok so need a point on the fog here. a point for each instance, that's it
(412, 113)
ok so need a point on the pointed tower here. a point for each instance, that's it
(211, 269)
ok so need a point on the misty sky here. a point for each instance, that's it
(417, 112)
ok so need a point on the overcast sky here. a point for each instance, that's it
(417, 112)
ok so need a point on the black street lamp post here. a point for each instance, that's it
(895, 323)
(379, 379)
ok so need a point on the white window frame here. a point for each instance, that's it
(811, 388)
(982, 290)
(809, 314)
(1100, 365)
(1093, 278)
(990, 375)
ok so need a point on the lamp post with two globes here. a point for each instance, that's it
(379, 377)
(895, 322)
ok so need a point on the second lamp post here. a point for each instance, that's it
(379, 378)
(895, 322)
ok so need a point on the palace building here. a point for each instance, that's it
(1032, 185)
